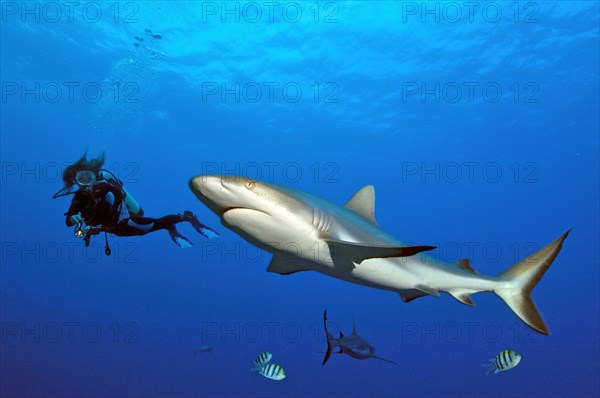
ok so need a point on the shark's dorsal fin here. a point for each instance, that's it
(464, 264)
(280, 265)
(341, 335)
(363, 203)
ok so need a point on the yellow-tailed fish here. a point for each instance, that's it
(272, 371)
(506, 360)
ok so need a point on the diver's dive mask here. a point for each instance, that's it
(85, 178)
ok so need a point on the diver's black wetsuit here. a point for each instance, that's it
(103, 206)
(99, 206)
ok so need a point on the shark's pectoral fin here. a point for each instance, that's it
(357, 252)
(428, 290)
(280, 265)
(409, 295)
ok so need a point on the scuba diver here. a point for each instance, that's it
(102, 204)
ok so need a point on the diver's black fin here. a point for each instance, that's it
(202, 229)
(179, 239)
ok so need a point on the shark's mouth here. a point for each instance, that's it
(227, 209)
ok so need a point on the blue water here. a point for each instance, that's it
(478, 128)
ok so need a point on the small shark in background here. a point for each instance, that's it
(305, 232)
(353, 345)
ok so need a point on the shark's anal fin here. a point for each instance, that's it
(463, 296)
(357, 252)
(363, 203)
(280, 265)
(428, 290)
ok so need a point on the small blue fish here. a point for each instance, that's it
(506, 360)
(202, 348)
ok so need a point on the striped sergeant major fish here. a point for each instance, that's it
(506, 360)
(272, 371)
(263, 359)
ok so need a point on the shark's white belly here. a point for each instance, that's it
(385, 274)
(301, 244)
(408, 272)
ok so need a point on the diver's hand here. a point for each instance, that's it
(76, 218)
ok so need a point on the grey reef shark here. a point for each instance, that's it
(305, 232)
(353, 345)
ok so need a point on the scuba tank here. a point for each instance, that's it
(133, 206)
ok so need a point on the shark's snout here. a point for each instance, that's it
(210, 190)
(213, 186)
(219, 192)
(202, 185)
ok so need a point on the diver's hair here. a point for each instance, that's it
(94, 164)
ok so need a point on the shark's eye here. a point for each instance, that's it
(250, 184)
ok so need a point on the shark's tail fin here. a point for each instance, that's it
(329, 339)
(522, 278)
